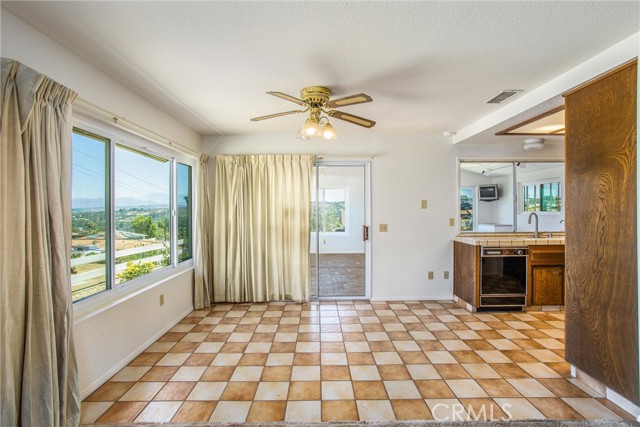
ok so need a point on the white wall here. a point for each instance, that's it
(406, 168)
(114, 336)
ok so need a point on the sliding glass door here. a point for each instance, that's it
(339, 231)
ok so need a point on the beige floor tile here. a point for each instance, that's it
(519, 409)
(466, 388)
(493, 356)
(402, 390)
(188, 373)
(337, 390)
(375, 410)
(545, 356)
(207, 391)
(308, 347)
(158, 412)
(423, 372)
(438, 357)
(142, 391)
(364, 373)
(132, 373)
(247, 373)
(357, 347)
(539, 370)
(529, 387)
(480, 371)
(387, 358)
(452, 345)
(446, 409)
(226, 359)
(305, 373)
(258, 347)
(304, 411)
(280, 359)
(333, 359)
(275, 390)
(590, 408)
(231, 412)
(406, 346)
(91, 411)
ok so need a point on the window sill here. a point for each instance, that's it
(92, 306)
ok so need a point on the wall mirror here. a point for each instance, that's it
(499, 196)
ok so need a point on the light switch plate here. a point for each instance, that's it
(452, 222)
(430, 275)
(383, 228)
(446, 275)
(423, 204)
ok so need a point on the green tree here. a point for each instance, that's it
(134, 270)
(143, 224)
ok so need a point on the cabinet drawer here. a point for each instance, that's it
(546, 255)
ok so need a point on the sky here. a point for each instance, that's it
(137, 176)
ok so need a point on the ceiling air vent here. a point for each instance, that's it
(503, 96)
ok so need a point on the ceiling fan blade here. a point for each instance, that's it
(359, 98)
(360, 121)
(271, 116)
(288, 98)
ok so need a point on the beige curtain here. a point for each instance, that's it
(262, 228)
(203, 261)
(38, 373)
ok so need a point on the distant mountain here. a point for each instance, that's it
(149, 200)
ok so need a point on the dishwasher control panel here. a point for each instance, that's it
(501, 252)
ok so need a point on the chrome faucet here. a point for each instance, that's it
(536, 234)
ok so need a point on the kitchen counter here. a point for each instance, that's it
(509, 239)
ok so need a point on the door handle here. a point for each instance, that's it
(365, 233)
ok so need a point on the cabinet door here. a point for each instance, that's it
(548, 285)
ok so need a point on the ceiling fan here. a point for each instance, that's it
(316, 100)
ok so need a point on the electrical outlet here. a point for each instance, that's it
(383, 228)
(452, 222)
(423, 204)
(446, 275)
(161, 300)
(430, 275)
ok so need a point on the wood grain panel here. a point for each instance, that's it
(601, 259)
(548, 285)
(466, 272)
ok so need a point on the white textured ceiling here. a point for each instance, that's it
(429, 66)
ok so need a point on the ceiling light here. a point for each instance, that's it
(328, 132)
(533, 144)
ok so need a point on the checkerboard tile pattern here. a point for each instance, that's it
(351, 360)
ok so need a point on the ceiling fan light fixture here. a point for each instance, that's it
(328, 132)
(310, 128)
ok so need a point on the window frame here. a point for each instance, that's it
(537, 184)
(346, 213)
(114, 294)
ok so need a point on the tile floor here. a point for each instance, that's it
(350, 361)
(341, 275)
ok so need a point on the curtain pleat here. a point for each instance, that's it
(38, 372)
(261, 228)
(203, 284)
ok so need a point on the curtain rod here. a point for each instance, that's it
(126, 124)
(337, 157)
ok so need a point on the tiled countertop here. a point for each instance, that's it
(509, 239)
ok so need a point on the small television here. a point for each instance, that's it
(488, 192)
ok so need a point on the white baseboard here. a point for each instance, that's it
(412, 298)
(124, 362)
(602, 388)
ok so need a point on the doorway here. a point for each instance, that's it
(339, 247)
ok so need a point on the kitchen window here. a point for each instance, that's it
(541, 197)
(131, 211)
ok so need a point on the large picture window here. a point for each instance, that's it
(541, 197)
(128, 204)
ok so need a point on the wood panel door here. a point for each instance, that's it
(601, 260)
(548, 285)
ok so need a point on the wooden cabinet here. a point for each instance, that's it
(466, 272)
(546, 275)
(601, 266)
